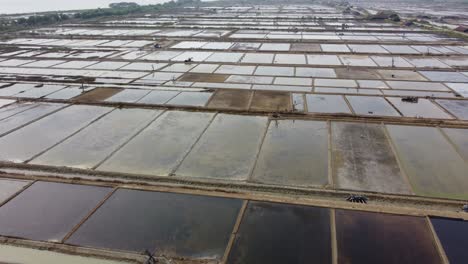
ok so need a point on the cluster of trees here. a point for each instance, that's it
(116, 9)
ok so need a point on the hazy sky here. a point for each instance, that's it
(26, 6)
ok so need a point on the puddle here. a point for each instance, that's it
(459, 138)
(294, 152)
(10, 187)
(12, 123)
(453, 235)
(353, 73)
(434, 169)
(46, 132)
(55, 207)
(158, 97)
(94, 143)
(363, 159)
(326, 104)
(128, 96)
(227, 150)
(280, 233)
(423, 108)
(190, 99)
(458, 108)
(12, 254)
(364, 237)
(230, 99)
(160, 147)
(172, 224)
(270, 101)
(371, 105)
(202, 77)
(98, 94)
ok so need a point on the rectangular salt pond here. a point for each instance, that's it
(16, 89)
(289, 59)
(128, 96)
(459, 138)
(160, 147)
(426, 86)
(438, 76)
(205, 68)
(4, 102)
(357, 60)
(67, 93)
(391, 62)
(158, 97)
(10, 187)
(38, 92)
(190, 99)
(14, 109)
(315, 72)
(371, 105)
(171, 224)
(334, 48)
(227, 150)
(317, 103)
(458, 108)
(16, 121)
(370, 238)
(275, 71)
(434, 169)
(363, 159)
(143, 66)
(31, 140)
(453, 234)
(280, 233)
(225, 57)
(323, 60)
(266, 58)
(94, 143)
(46, 202)
(75, 64)
(423, 108)
(231, 99)
(294, 152)
(13, 254)
(275, 46)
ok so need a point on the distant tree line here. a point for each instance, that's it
(115, 9)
